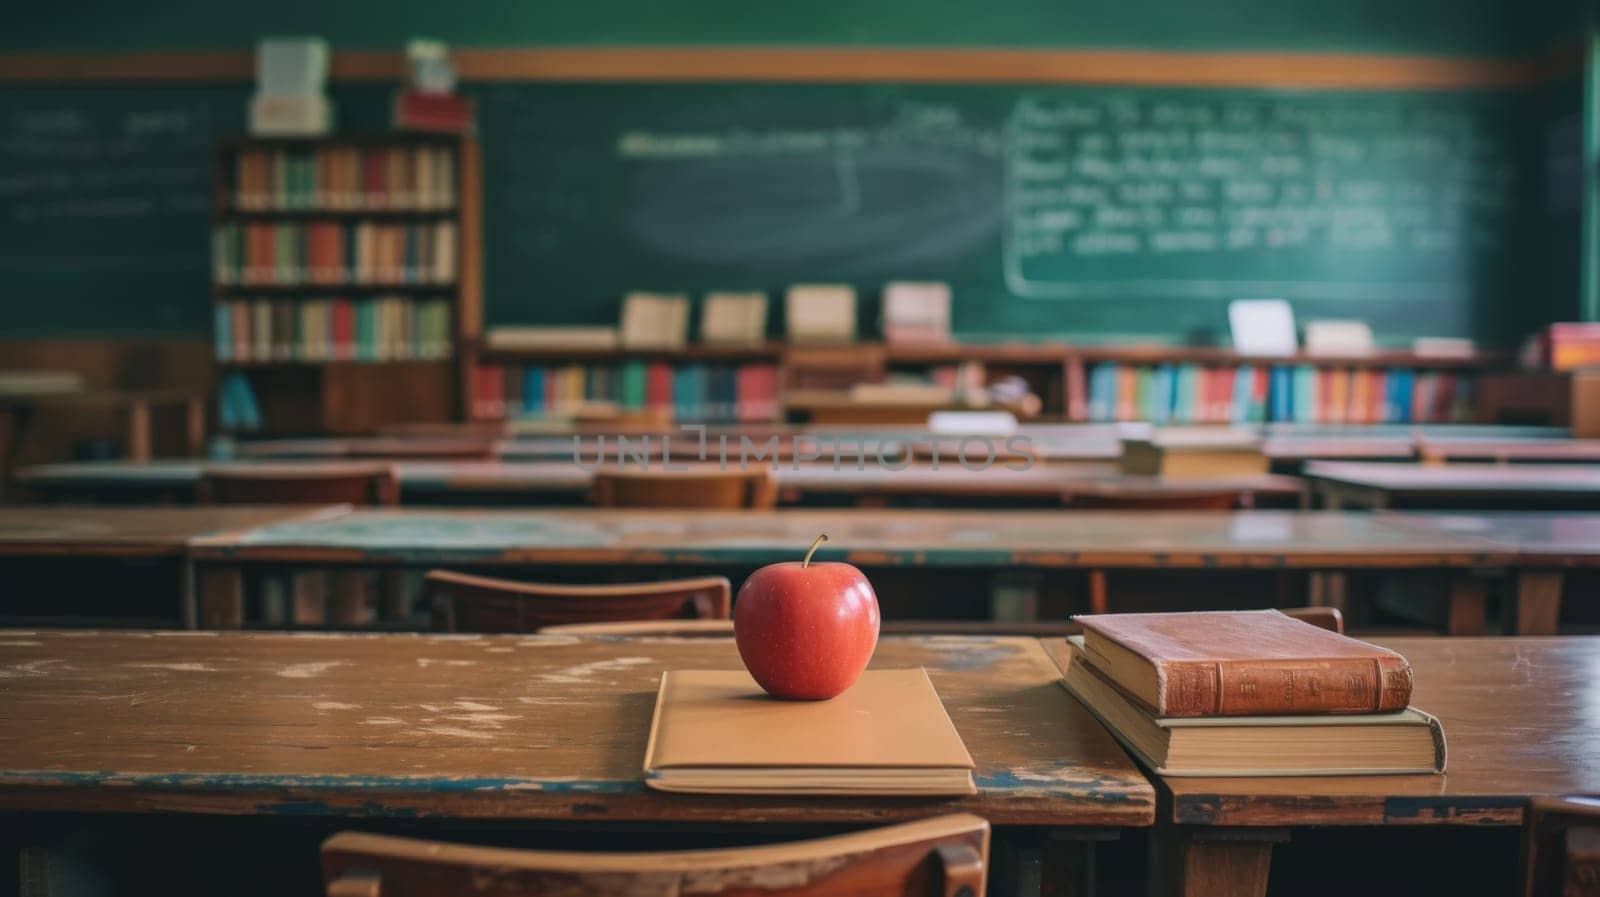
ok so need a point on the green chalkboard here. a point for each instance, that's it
(1067, 211)
(105, 199)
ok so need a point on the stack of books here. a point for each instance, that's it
(344, 178)
(334, 253)
(1250, 693)
(691, 391)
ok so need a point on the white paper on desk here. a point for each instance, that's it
(1262, 327)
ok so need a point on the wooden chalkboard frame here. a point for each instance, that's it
(1334, 71)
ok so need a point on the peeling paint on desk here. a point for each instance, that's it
(961, 655)
(583, 671)
(308, 670)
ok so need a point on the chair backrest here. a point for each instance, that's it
(466, 448)
(648, 629)
(941, 857)
(706, 487)
(465, 603)
(1561, 847)
(1198, 500)
(1326, 617)
(293, 484)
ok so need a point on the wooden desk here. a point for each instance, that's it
(123, 533)
(18, 409)
(489, 728)
(1519, 721)
(1508, 450)
(1546, 545)
(876, 539)
(563, 480)
(1376, 485)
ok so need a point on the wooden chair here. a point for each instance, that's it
(1561, 848)
(300, 484)
(699, 488)
(945, 856)
(465, 603)
(352, 484)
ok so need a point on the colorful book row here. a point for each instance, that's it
(686, 392)
(383, 328)
(1188, 393)
(333, 252)
(341, 178)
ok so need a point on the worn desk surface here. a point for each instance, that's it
(484, 726)
(134, 532)
(1519, 721)
(1539, 538)
(1194, 539)
(1379, 484)
(563, 477)
(1507, 449)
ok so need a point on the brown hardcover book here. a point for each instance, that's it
(717, 732)
(1194, 455)
(1243, 663)
(1409, 741)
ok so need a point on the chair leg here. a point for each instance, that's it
(350, 605)
(221, 597)
(1099, 601)
(308, 591)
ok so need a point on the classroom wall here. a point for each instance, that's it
(1454, 28)
(1445, 27)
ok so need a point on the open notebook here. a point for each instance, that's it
(717, 732)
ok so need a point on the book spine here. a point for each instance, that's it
(1263, 688)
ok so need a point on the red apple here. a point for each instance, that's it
(806, 631)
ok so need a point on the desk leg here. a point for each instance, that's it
(194, 431)
(1467, 612)
(221, 597)
(139, 430)
(1206, 862)
(350, 603)
(1538, 602)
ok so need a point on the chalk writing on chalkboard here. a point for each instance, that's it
(844, 200)
(1170, 195)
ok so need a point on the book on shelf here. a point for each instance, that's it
(1405, 741)
(687, 391)
(1261, 392)
(379, 328)
(1242, 663)
(899, 393)
(344, 178)
(334, 253)
(1570, 345)
(558, 338)
(40, 383)
(716, 732)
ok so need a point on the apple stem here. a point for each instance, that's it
(813, 550)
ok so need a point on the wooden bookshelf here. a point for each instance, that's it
(408, 202)
(1061, 373)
